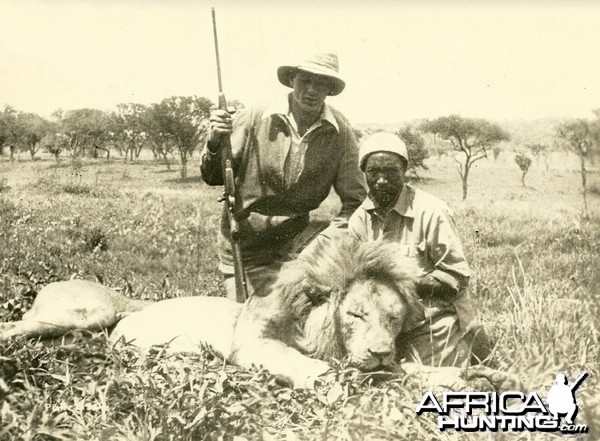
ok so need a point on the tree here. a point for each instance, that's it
(86, 128)
(32, 129)
(496, 150)
(160, 143)
(540, 152)
(130, 128)
(415, 144)
(9, 129)
(440, 149)
(581, 137)
(524, 162)
(595, 134)
(184, 121)
(471, 138)
(55, 144)
(22, 130)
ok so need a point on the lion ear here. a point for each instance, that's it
(299, 289)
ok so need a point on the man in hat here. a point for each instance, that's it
(287, 157)
(423, 225)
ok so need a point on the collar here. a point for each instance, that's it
(403, 205)
(281, 107)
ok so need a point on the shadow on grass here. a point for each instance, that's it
(166, 171)
(91, 162)
(188, 180)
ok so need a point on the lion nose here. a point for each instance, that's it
(380, 354)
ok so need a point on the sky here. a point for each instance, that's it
(401, 60)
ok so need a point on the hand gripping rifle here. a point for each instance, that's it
(241, 292)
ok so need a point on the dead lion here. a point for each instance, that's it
(351, 301)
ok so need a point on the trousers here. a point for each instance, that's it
(259, 278)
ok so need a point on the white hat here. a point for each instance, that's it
(319, 64)
(381, 142)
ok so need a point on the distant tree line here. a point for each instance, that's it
(178, 125)
(468, 140)
(175, 126)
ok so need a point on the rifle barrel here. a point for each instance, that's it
(214, 20)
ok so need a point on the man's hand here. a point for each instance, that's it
(257, 223)
(429, 287)
(220, 123)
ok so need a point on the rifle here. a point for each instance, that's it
(241, 291)
(578, 382)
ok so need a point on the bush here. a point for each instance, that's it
(77, 189)
(95, 239)
(3, 185)
(415, 144)
(8, 214)
(524, 162)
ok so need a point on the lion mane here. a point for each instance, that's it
(312, 289)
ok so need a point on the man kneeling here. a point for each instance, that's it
(423, 226)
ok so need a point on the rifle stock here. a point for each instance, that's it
(241, 291)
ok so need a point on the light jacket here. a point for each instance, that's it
(273, 208)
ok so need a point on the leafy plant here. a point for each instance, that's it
(524, 162)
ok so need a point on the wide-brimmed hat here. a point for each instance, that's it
(319, 64)
(381, 142)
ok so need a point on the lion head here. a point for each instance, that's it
(351, 300)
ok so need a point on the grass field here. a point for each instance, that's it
(139, 228)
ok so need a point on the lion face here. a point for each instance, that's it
(371, 316)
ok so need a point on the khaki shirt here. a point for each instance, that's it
(281, 177)
(424, 227)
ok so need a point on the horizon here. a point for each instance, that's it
(498, 61)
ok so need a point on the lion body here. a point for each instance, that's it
(185, 324)
(74, 304)
(349, 301)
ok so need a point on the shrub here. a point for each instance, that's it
(524, 162)
(95, 239)
(77, 189)
(8, 214)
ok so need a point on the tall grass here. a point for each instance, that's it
(535, 283)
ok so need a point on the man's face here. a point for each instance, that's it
(384, 172)
(310, 91)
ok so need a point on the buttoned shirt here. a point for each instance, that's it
(282, 176)
(294, 161)
(423, 226)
